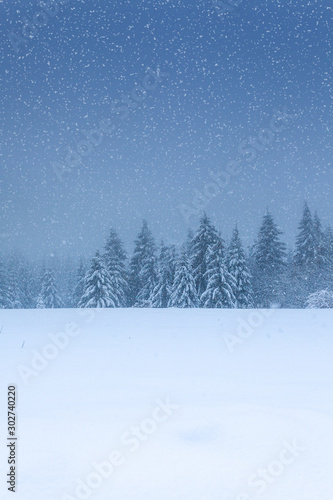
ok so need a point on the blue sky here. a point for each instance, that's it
(221, 79)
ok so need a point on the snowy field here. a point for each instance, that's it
(169, 404)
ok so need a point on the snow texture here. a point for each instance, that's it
(248, 384)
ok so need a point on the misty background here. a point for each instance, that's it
(227, 73)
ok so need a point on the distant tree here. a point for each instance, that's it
(220, 283)
(7, 298)
(322, 299)
(328, 244)
(67, 280)
(97, 290)
(115, 259)
(205, 237)
(183, 292)
(238, 268)
(29, 286)
(268, 263)
(80, 284)
(49, 292)
(189, 242)
(143, 269)
(13, 266)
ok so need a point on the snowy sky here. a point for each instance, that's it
(221, 79)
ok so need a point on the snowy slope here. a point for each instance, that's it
(251, 415)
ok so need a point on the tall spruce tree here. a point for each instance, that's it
(183, 292)
(220, 283)
(165, 276)
(97, 290)
(305, 251)
(311, 261)
(49, 292)
(204, 239)
(238, 268)
(115, 259)
(268, 264)
(320, 256)
(143, 269)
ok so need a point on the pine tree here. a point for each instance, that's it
(237, 267)
(143, 269)
(79, 287)
(115, 259)
(40, 302)
(306, 241)
(205, 237)
(183, 292)
(220, 283)
(311, 259)
(67, 280)
(320, 256)
(49, 292)
(165, 277)
(268, 264)
(98, 286)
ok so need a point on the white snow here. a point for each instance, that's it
(238, 412)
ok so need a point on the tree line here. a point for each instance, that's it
(204, 272)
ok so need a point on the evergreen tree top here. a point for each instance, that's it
(269, 252)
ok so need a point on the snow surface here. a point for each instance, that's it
(237, 411)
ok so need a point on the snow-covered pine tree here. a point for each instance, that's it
(40, 302)
(143, 269)
(80, 282)
(238, 268)
(220, 283)
(268, 264)
(165, 277)
(204, 238)
(49, 292)
(98, 286)
(310, 259)
(115, 259)
(183, 292)
(305, 251)
(321, 258)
